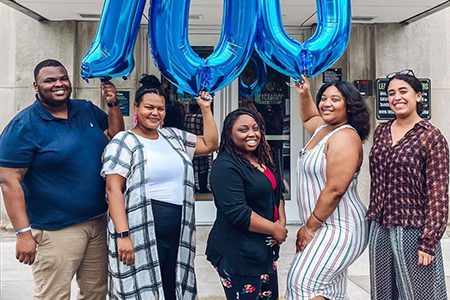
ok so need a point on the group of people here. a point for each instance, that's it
(60, 156)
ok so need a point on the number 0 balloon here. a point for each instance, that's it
(319, 52)
(168, 31)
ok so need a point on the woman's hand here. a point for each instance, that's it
(424, 258)
(272, 241)
(125, 250)
(303, 87)
(303, 238)
(279, 233)
(204, 100)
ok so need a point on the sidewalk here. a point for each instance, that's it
(16, 279)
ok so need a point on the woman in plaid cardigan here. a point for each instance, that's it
(149, 184)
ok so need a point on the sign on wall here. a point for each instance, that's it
(384, 112)
(332, 75)
(124, 102)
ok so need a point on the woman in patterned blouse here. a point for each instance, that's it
(149, 183)
(409, 168)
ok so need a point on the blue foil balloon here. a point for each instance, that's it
(173, 55)
(111, 53)
(318, 53)
(260, 74)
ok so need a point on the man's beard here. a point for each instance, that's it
(51, 102)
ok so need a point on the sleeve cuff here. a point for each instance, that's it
(429, 249)
(15, 165)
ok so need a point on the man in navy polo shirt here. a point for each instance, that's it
(50, 177)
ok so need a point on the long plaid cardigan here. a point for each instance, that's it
(125, 156)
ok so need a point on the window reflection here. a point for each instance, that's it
(260, 88)
(193, 122)
(265, 90)
(183, 112)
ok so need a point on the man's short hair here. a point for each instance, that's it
(46, 63)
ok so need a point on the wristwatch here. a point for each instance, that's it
(123, 234)
(114, 104)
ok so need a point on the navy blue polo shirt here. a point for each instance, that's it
(63, 185)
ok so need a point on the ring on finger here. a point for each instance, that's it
(206, 98)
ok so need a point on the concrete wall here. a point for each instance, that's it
(8, 71)
(361, 65)
(375, 50)
(358, 62)
(7, 75)
(25, 42)
(423, 46)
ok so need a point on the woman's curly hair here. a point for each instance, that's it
(357, 111)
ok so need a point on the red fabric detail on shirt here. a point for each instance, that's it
(271, 178)
(273, 182)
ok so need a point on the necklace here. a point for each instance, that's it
(257, 165)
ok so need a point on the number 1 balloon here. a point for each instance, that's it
(318, 53)
(111, 53)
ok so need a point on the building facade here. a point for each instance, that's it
(373, 51)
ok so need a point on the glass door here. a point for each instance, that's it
(264, 90)
(259, 87)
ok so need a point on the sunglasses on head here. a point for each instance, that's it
(404, 72)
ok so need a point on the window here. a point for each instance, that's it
(263, 89)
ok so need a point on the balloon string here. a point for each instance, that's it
(301, 25)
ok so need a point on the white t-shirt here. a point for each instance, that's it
(166, 170)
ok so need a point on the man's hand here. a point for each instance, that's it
(25, 248)
(109, 92)
(13, 196)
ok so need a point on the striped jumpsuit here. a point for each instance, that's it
(321, 268)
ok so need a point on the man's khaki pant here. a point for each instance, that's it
(79, 249)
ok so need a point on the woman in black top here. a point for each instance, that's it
(250, 223)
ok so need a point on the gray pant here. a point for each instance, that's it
(394, 270)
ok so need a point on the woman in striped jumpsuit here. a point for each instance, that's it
(334, 233)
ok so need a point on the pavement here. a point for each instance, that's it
(16, 281)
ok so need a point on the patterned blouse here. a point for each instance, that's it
(124, 155)
(409, 181)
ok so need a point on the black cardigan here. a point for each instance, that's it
(238, 190)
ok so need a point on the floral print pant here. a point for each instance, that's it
(262, 287)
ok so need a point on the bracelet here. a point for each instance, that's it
(315, 216)
(123, 234)
(23, 230)
(307, 231)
